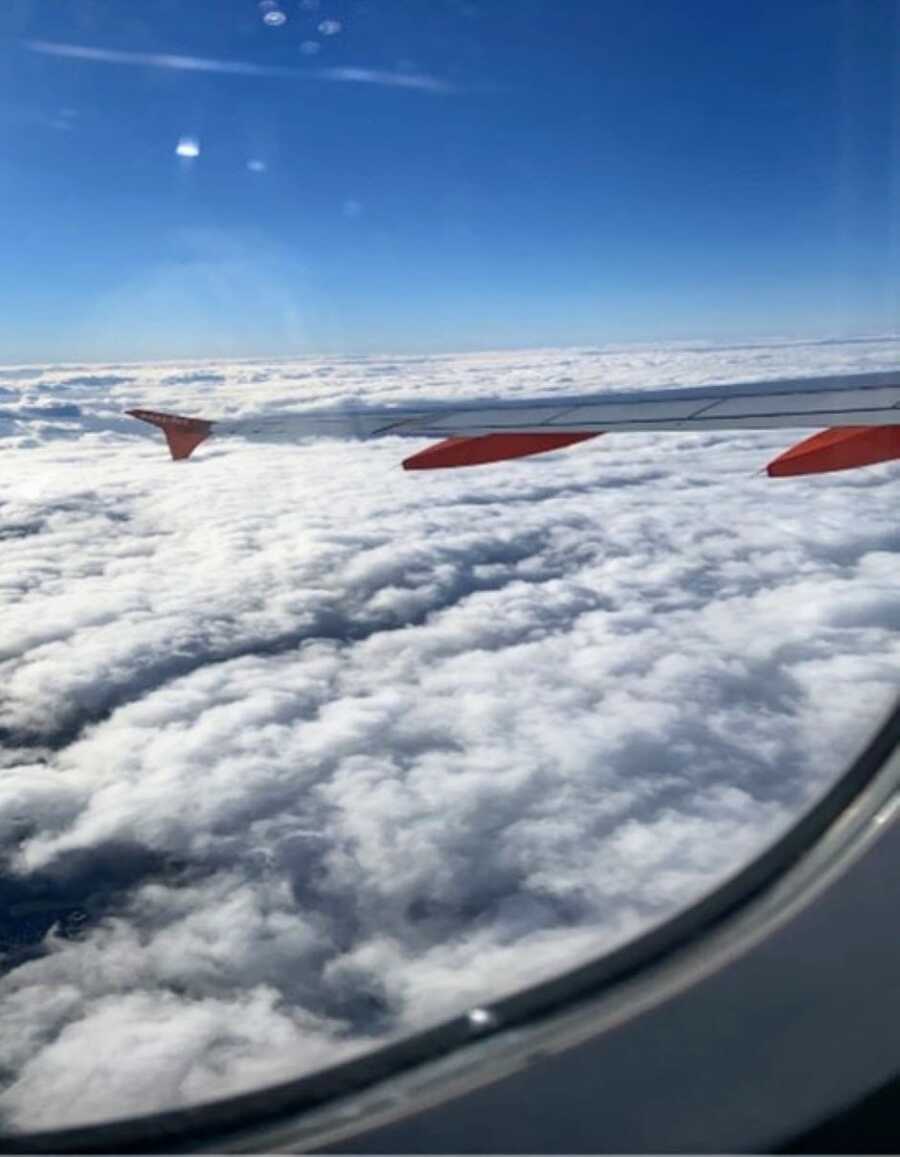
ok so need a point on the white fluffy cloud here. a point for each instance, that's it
(300, 752)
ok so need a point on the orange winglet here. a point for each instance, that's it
(841, 448)
(485, 448)
(184, 435)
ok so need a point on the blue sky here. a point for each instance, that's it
(385, 176)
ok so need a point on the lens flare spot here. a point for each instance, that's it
(482, 1019)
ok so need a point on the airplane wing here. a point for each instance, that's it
(857, 417)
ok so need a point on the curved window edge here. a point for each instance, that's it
(482, 1046)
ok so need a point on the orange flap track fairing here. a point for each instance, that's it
(486, 448)
(841, 448)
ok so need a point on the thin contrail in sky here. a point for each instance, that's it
(345, 75)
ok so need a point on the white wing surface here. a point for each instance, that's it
(858, 416)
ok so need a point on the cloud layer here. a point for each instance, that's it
(300, 752)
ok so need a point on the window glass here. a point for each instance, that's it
(300, 751)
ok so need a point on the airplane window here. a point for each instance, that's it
(302, 751)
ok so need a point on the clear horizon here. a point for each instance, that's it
(762, 341)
